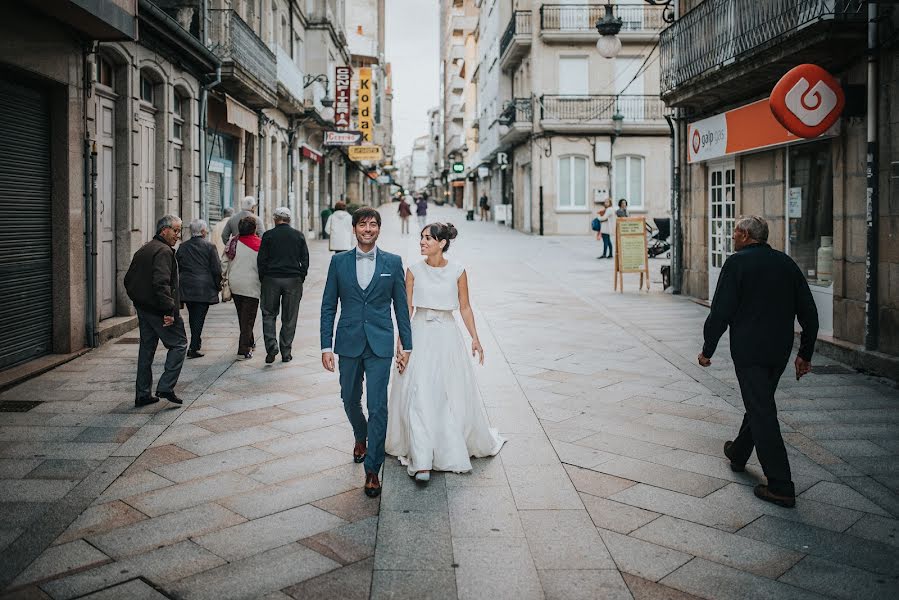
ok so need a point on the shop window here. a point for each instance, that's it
(572, 182)
(629, 181)
(810, 211)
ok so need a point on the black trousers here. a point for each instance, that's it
(196, 316)
(247, 308)
(760, 428)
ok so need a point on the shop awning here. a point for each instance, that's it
(311, 154)
(240, 115)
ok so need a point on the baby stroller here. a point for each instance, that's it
(658, 241)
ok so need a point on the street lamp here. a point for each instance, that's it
(609, 25)
(327, 112)
(617, 120)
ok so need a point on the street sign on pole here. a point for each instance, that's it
(365, 153)
(342, 138)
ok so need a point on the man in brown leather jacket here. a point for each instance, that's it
(152, 285)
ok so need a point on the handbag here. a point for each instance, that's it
(596, 224)
(226, 288)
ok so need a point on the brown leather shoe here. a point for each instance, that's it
(372, 485)
(735, 467)
(359, 452)
(763, 493)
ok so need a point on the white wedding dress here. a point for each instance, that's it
(436, 418)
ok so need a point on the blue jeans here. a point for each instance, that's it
(173, 338)
(375, 370)
(606, 245)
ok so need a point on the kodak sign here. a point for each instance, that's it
(366, 117)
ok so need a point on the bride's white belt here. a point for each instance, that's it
(440, 316)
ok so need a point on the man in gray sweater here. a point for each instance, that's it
(248, 208)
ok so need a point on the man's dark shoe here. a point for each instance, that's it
(171, 397)
(138, 402)
(286, 358)
(372, 485)
(734, 466)
(270, 358)
(359, 452)
(763, 493)
(194, 354)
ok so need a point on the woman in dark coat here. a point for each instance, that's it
(200, 280)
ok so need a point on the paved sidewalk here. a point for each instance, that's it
(612, 484)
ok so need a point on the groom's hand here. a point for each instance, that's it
(403, 359)
(328, 361)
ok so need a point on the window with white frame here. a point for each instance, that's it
(573, 182)
(629, 181)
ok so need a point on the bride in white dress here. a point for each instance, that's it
(436, 416)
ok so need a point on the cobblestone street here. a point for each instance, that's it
(612, 484)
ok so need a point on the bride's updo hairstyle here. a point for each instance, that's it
(442, 231)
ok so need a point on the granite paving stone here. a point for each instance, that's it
(133, 590)
(615, 515)
(879, 529)
(348, 543)
(228, 440)
(266, 533)
(642, 558)
(838, 494)
(57, 560)
(132, 485)
(55, 468)
(100, 518)
(352, 582)
(477, 576)
(211, 464)
(399, 585)
(596, 484)
(643, 589)
(191, 493)
(349, 506)
(662, 476)
(413, 541)
(34, 490)
(714, 581)
(298, 465)
(712, 544)
(542, 487)
(484, 512)
(839, 580)
(564, 539)
(565, 584)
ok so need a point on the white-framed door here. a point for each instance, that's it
(106, 196)
(146, 204)
(527, 199)
(722, 216)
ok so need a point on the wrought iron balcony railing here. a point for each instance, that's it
(720, 32)
(517, 111)
(582, 18)
(602, 108)
(519, 24)
(235, 42)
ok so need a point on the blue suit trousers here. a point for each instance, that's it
(374, 371)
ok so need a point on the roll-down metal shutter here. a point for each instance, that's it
(26, 295)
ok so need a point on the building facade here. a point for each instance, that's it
(719, 64)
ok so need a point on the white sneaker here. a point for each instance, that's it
(424, 476)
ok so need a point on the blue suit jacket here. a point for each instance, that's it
(365, 314)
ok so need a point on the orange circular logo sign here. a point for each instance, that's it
(807, 100)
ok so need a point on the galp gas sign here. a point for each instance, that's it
(807, 101)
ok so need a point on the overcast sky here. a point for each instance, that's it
(412, 47)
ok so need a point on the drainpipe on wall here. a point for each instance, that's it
(89, 151)
(872, 209)
(675, 209)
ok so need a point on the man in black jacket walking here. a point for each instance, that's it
(760, 292)
(283, 262)
(152, 285)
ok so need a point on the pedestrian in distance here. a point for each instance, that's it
(283, 263)
(216, 234)
(622, 209)
(484, 205)
(248, 209)
(437, 418)
(152, 284)
(339, 229)
(404, 211)
(421, 211)
(366, 283)
(607, 227)
(760, 293)
(242, 273)
(200, 281)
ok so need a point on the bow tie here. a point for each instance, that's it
(365, 255)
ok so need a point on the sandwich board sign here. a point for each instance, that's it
(631, 255)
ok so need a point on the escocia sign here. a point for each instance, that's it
(807, 101)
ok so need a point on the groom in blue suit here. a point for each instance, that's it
(365, 281)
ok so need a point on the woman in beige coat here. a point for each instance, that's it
(239, 266)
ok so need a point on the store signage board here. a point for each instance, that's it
(343, 78)
(342, 138)
(365, 153)
(458, 167)
(366, 116)
(807, 101)
(632, 255)
(745, 129)
(794, 203)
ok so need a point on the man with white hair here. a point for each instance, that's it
(283, 262)
(152, 285)
(760, 293)
(248, 208)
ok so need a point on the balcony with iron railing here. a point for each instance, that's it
(516, 121)
(577, 22)
(594, 113)
(516, 40)
(249, 70)
(740, 50)
(291, 93)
